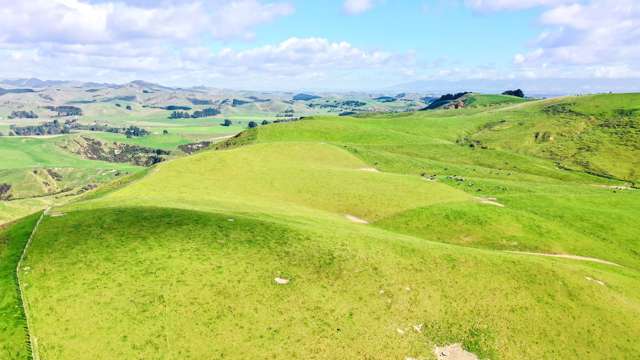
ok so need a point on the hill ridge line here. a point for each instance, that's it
(33, 341)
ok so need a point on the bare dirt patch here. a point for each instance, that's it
(356, 220)
(453, 352)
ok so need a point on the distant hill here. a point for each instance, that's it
(533, 87)
(33, 83)
(599, 134)
(305, 97)
(15, 91)
(466, 99)
(148, 85)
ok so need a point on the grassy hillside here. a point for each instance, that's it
(473, 100)
(196, 285)
(599, 134)
(171, 141)
(13, 238)
(480, 100)
(391, 231)
(37, 169)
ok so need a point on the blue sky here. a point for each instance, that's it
(331, 44)
(431, 28)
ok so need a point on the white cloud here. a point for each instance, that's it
(495, 5)
(82, 22)
(286, 64)
(589, 38)
(172, 41)
(355, 7)
(307, 53)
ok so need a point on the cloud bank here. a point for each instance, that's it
(596, 38)
(210, 42)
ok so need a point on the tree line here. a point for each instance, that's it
(196, 114)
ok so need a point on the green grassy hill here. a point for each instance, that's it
(474, 100)
(396, 233)
(38, 169)
(480, 100)
(13, 238)
(599, 134)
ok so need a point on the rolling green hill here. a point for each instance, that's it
(372, 237)
(38, 170)
(13, 238)
(473, 100)
(598, 134)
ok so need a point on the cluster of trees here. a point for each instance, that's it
(251, 124)
(354, 103)
(445, 100)
(128, 107)
(131, 131)
(238, 102)
(65, 110)
(180, 115)
(385, 99)
(200, 102)
(287, 113)
(449, 97)
(177, 107)
(519, 93)
(134, 131)
(196, 114)
(5, 191)
(23, 115)
(54, 127)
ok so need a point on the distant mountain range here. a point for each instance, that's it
(531, 87)
(34, 83)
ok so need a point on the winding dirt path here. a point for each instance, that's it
(566, 256)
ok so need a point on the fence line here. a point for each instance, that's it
(33, 341)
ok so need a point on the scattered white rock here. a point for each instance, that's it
(356, 220)
(595, 280)
(231, 220)
(453, 352)
(489, 201)
(418, 328)
(400, 331)
(381, 292)
(281, 281)
(369, 169)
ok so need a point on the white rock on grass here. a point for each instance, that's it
(281, 281)
(453, 352)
